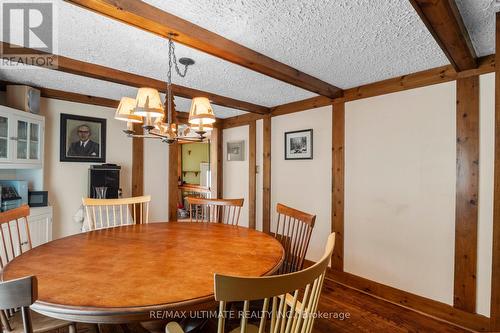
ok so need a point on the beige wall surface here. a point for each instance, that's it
(400, 190)
(485, 223)
(67, 182)
(156, 178)
(304, 184)
(236, 172)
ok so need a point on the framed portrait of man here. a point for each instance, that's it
(83, 139)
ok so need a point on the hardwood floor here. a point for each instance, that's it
(370, 314)
(350, 311)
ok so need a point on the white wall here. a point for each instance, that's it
(304, 184)
(400, 157)
(67, 182)
(235, 181)
(156, 178)
(486, 164)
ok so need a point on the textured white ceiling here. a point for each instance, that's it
(343, 42)
(479, 18)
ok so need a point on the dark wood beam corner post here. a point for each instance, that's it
(338, 138)
(137, 163)
(252, 175)
(173, 174)
(495, 273)
(266, 175)
(467, 184)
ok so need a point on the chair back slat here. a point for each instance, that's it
(293, 230)
(293, 297)
(109, 213)
(226, 211)
(19, 294)
(14, 234)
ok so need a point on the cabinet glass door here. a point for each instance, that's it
(22, 140)
(34, 141)
(4, 137)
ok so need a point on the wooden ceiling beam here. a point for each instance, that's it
(445, 23)
(159, 22)
(99, 72)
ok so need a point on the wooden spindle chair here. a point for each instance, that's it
(15, 239)
(226, 211)
(289, 301)
(109, 213)
(293, 230)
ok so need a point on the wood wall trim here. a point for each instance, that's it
(173, 183)
(444, 22)
(149, 18)
(137, 163)
(241, 120)
(495, 271)
(216, 162)
(266, 175)
(338, 165)
(421, 304)
(467, 187)
(99, 72)
(252, 175)
(306, 104)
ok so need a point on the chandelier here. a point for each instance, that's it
(156, 118)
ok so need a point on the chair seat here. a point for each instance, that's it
(41, 323)
(174, 327)
(250, 329)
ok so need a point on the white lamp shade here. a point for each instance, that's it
(148, 103)
(201, 112)
(125, 110)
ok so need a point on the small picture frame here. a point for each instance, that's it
(299, 145)
(236, 151)
(83, 139)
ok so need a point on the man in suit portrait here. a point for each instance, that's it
(85, 146)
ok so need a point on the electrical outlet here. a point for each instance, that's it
(257, 169)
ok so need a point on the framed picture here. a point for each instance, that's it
(299, 145)
(83, 139)
(236, 151)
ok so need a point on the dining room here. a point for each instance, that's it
(249, 166)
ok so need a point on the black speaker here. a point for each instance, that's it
(105, 175)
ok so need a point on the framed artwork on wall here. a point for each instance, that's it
(299, 145)
(236, 151)
(83, 139)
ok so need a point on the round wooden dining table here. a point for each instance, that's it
(136, 272)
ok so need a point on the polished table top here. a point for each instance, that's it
(120, 274)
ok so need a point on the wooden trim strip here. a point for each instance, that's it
(444, 22)
(467, 186)
(266, 176)
(495, 271)
(149, 18)
(306, 104)
(241, 120)
(137, 163)
(252, 176)
(338, 165)
(421, 304)
(99, 72)
(173, 190)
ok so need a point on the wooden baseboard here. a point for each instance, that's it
(426, 306)
(414, 302)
